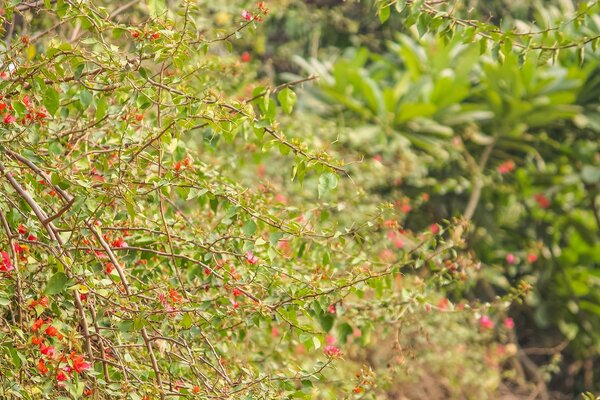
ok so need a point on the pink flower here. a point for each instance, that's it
(330, 339)
(434, 228)
(5, 264)
(9, 119)
(331, 309)
(486, 323)
(332, 351)
(511, 259)
(246, 15)
(251, 258)
(509, 323)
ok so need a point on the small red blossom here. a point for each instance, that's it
(246, 15)
(61, 376)
(120, 243)
(32, 237)
(42, 366)
(22, 230)
(37, 340)
(196, 389)
(88, 392)
(246, 57)
(9, 119)
(236, 292)
(332, 351)
(506, 167)
(358, 389)
(331, 309)
(5, 264)
(542, 200)
(135, 34)
(109, 267)
(48, 351)
(251, 258)
(175, 297)
(486, 322)
(532, 258)
(79, 363)
(511, 259)
(82, 296)
(509, 323)
(51, 331)
(37, 324)
(434, 228)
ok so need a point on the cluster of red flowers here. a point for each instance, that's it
(139, 35)
(185, 163)
(262, 11)
(33, 114)
(74, 362)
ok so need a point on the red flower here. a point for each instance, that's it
(5, 264)
(37, 340)
(509, 323)
(61, 376)
(43, 301)
(109, 267)
(506, 167)
(542, 200)
(485, 322)
(331, 309)
(332, 351)
(42, 366)
(246, 15)
(120, 242)
(246, 57)
(9, 119)
(135, 34)
(532, 258)
(37, 324)
(79, 363)
(31, 237)
(22, 229)
(251, 258)
(196, 389)
(88, 392)
(434, 228)
(2, 106)
(155, 36)
(175, 297)
(48, 351)
(51, 331)
(236, 292)
(27, 101)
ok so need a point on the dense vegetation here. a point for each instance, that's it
(300, 199)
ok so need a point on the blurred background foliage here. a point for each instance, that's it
(440, 118)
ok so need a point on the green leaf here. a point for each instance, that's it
(249, 228)
(57, 283)
(384, 14)
(287, 99)
(85, 98)
(327, 182)
(51, 100)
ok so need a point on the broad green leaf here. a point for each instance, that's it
(56, 283)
